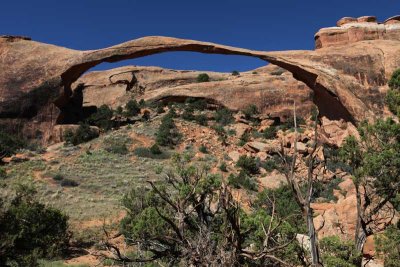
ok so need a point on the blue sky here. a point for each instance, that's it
(253, 24)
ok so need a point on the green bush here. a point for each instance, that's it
(388, 245)
(270, 132)
(9, 144)
(160, 109)
(203, 77)
(119, 110)
(223, 167)
(393, 101)
(142, 103)
(244, 139)
(201, 119)
(145, 152)
(196, 103)
(58, 177)
(30, 231)
(223, 116)
(270, 165)
(187, 114)
(146, 115)
(3, 173)
(203, 149)
(394, 82)
(132, 108)
(250, 111)
(102, 118)
(116, 147)
(325, 190)
(338, 253)
(68, 183)
(83, 134)
(235, 73)
(155, 150)
(167, 134)
(248, 164)
(242, 180)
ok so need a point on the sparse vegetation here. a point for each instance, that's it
(270, 132)
(223, 167)
(83, 134)
(235, 73)
(132, 108)
(244, 138)
(242, 180)
(203, 149)
(102, 118)
(203, 77)
(66, 182)
(248, 164)
(250, 111)
(9, 144)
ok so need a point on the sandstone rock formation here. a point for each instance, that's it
(271, 88)
(351, 30)
(349, 79)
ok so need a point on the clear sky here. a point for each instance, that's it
(253, 24)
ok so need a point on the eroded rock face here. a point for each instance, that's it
(349, 79)
(350, 30)
(271, 88)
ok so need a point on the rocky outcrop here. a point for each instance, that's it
(348, 79)
(350, 30)
(271, 88)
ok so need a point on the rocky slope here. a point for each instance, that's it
(349, 79)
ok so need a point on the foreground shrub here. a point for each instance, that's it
(30, 230)
(174, 221)
(388, 245)
(83, 134)
(338, 253)
(203, 77)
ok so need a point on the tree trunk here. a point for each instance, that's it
(314, 248)
(360, 235)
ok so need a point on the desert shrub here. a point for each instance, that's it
(289, 124)
(393, 101)
(196, 103)
(285, 206)
(146, 115)
(203, 77)
(119, 110)
(223, 116)
(132, 108)
(145, 152)
(394, 82)
(223, 167)
(333, 161)
(58, 177)
(270, 132)
(201, 119)
(242, 180)
(142, 103)
(9, 144)
(102, 118)
(160, 109)
(30, 230)
(250, 111)
(187, 114)
(325, 190)
(338, 253)
(388, 245)
(167, 134)
(3, 173)
(244, 138)
(270, 164)
(235, 73)
(83, 134)
(117, 148)
(248, 164)
(155, 150)
(66, 182)
(203, 149)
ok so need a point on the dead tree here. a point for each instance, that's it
(303, 199)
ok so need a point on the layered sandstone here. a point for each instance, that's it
(350, 30)
(349, 80)
(271, 88)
